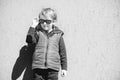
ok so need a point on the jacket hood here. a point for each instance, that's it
(56, 30)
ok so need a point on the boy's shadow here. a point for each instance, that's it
(24, 62)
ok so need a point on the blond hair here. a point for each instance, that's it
(50, 11)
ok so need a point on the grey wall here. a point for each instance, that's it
(92, 35)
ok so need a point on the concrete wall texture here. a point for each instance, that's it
(92, 35)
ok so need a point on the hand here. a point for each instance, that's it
(63, 73)
(35, 22)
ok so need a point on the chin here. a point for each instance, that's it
(46, 29)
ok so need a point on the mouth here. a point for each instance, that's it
(46, 27)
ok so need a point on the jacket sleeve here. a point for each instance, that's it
(63, 55)
(31, 36)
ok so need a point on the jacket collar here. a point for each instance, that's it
(55, 30)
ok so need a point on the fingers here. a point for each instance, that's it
(36, 19)
(35, 22)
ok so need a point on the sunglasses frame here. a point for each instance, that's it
(46, 21)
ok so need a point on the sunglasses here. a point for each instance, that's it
(46, 21)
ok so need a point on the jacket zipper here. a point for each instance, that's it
(46, 52)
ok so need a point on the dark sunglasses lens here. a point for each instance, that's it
(41, 21)
(48, 21)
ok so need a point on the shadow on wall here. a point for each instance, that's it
(24, 62)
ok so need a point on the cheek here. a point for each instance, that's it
(43, 25)
(50, 24)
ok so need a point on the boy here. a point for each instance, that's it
(50, 52)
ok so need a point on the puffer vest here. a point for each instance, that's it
(46, 53)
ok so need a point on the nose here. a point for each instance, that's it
(44, 23)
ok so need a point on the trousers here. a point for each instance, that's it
(45, 74)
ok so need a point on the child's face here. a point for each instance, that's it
(46, 22)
